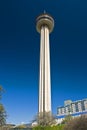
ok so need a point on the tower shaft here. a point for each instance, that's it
(44, 25)
(44, 77)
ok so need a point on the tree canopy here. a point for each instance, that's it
(1, 91)
(2, 109)
(45, 119)
(2, 115)
(78, 123)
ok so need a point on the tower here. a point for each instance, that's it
(44, 25)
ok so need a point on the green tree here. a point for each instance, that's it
(2, 115)
(45, 119)
(1, 91)
(78, 123)
(22, 126)
(2, 109)
(67, 119)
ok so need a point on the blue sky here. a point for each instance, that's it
(19, 54)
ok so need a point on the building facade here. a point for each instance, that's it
(76, 108)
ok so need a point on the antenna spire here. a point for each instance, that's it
(44, 11)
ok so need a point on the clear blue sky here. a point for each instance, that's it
(19, 54)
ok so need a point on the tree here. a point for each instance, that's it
(67, 119)
(45, 119)
(78, 123)
(2, 109)
(1, 91)
(22, 126)
(2, 115)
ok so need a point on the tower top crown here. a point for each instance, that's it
(44, 19)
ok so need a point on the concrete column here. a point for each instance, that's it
(44, 79)
(44, 25)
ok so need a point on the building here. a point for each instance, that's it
(76, 108)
